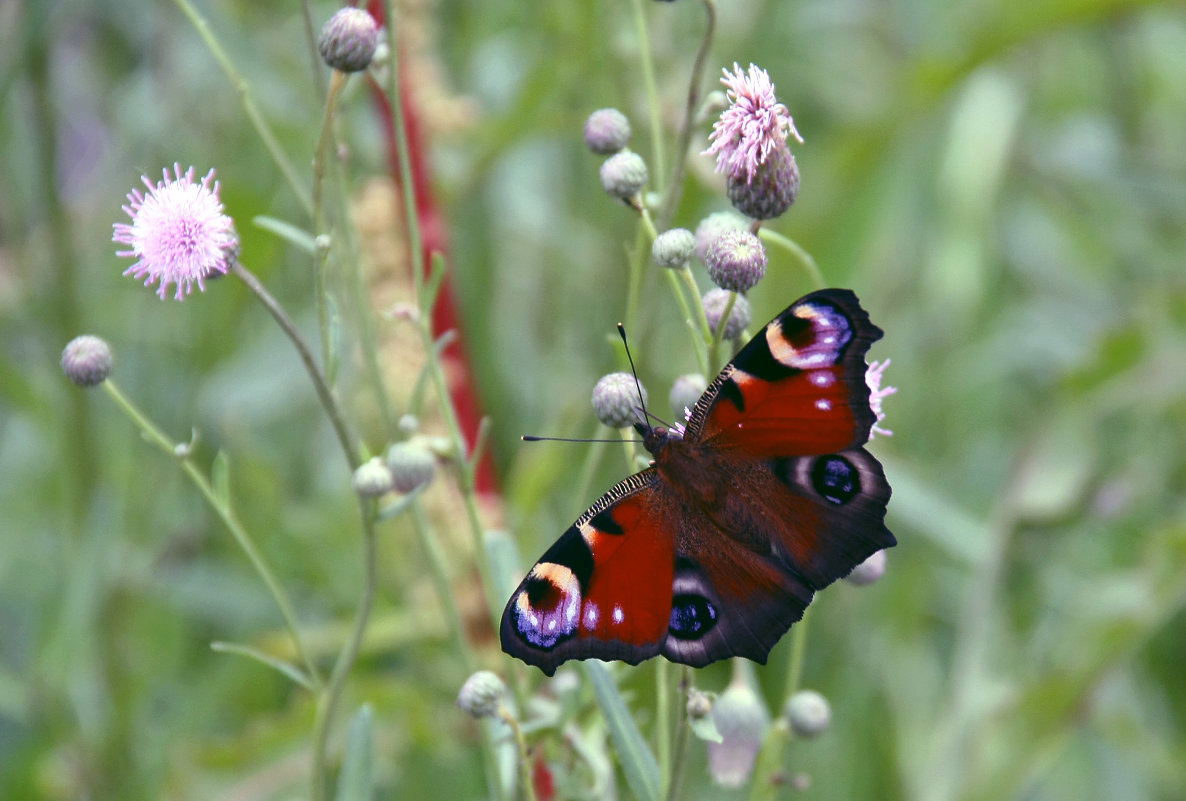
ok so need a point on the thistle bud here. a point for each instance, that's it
(614, 399)
(412, 465)
(481, 694)
(607, 131)
(685, 392)
(808, 713)
(674, 248)
(372, 478)
(623, 175)
(741, 719)
(712, 227)
(736, 261)
(86, 360)
(348, 41)
(772, 188)
(715, 301)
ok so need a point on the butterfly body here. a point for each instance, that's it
(716, 549)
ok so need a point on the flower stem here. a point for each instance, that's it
(223, 509)
(796, 250)
(522, 753)
(683, 733)
(248, 100)
(675, 186)
(719, 334)
(324, 393)
(328, 701)
(648, 79)
(320, 262)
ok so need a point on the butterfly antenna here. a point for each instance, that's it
(642, 404)
(533, 438)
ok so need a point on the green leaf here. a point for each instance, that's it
(638, 763)
(287, 668)
(356, 781)
(292, 234)
(705, 728)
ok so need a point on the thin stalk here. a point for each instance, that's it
(663, 718)
(648, 78)
(796, 250)
(523, 755)
(157, 437)
(683, 732)
(719, 334)
(438, 570)
(327, 703)
(320, 262)
(689, 315)
(249, 106)
(679, 165)
(798, 652)
(314, 54)
(324, 393)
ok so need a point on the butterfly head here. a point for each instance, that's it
(656, 438)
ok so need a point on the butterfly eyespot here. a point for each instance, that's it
(692, 616)
(836, 479)
(547, 608)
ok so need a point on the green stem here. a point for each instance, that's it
(798, 652)
(320, 262)
(324, 393)
(796, 250)
(314, 54)
(688, 315)
(675, 187)
(719, 334)
(249, 106)
(648, 79)
(663, 718)
(439, 573)
(683, 736)
(593, 456)
(222, 508)
(522, 753)
(327, 703)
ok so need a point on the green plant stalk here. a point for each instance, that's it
(243, 89)
(157, 437)
(320, 262)
(523, 755)
(648, 78)
(796, 250)
(314, 53)
(679, 164)
(439, 573)
(327, 702)
(683, 736)
(663, 719)
(324, 393)
(689, 316)
(593, 456)
(719, 334)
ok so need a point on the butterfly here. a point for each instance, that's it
(765, 496)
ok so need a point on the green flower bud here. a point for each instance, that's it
(615, 398)
(481, 694)
(736, 261)
(411, 463)
(674, 248)
(685, 391)
(372, 478)
(715, 301)
(623, 175)
(607, 131)
(808, 713)
(347, 42)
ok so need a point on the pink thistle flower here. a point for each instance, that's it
(876, 394)
(753, 125)
(178, 234)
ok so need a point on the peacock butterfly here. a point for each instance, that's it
(764, 497)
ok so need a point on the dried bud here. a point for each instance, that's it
(86, 360)
(347, 42)
(607, 131)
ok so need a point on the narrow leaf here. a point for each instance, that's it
(638, 763)
(356, 781)
(287, 668)
(292, 234)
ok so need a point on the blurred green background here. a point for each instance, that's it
(1003, 184)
